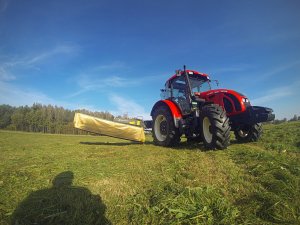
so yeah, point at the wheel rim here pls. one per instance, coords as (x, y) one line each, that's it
(160, 128)
(243, 133)
(206, 130)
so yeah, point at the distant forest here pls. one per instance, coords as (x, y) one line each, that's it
(43, 118)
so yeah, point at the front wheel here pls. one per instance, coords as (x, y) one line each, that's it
(164, 131)
(249, 133)
(215, 127)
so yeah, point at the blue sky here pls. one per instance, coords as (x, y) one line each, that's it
(116, 55)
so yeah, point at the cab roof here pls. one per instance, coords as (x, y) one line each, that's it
(192, 72)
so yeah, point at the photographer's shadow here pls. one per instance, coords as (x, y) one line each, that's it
(61, 204)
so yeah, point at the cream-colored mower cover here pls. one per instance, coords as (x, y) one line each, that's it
(108, 128)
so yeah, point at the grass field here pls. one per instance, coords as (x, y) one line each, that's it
(61, 179)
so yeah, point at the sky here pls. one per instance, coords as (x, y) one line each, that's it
(116, 55)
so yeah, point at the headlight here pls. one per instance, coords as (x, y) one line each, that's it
(246, 100)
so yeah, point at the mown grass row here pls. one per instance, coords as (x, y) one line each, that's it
(120, 182)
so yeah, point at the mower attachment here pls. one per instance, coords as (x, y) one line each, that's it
(109, 128)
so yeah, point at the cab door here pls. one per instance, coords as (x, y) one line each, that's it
(180, 94)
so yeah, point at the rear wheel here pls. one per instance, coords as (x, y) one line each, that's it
(215, 127)
(249, 133)
(164, 131)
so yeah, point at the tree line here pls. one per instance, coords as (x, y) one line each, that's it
(294, 118)
(43, 118)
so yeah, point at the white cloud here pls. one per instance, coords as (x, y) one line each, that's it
(231, 69)
(125, 105)
(113, 75)
(88, 83)
(116, 81)
(276, 94)
(58, 50)
(37, 57)
(286, 70)
(5, 75)
(12, 63)
(266, 37)
(279, 69)
(17, 96)
(103, 75)
(12, 95)
(113, 66)
(270, 97)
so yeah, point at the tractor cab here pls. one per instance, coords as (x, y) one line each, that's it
(197, 80)
(181, 89)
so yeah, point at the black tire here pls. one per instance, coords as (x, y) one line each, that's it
(250, 133)
(215, 128)
(164, 131)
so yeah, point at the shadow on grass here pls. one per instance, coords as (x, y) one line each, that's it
(61, 204)
(115, 143)
(198, 145)
(182, 145)
(192, 145)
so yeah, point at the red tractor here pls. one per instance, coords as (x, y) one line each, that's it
(189, 107)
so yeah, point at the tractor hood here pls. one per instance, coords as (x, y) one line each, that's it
(218, 91)
(233, 102)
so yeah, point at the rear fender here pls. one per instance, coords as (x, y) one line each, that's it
(174, 110)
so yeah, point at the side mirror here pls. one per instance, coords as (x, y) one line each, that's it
(217, 82)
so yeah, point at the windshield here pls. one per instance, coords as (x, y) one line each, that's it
(199, 84)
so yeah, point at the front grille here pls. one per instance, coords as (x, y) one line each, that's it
(236, 103)
(227, 105)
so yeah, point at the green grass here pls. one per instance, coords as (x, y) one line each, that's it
(120, 182)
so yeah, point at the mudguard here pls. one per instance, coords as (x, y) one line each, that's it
(174, 109)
